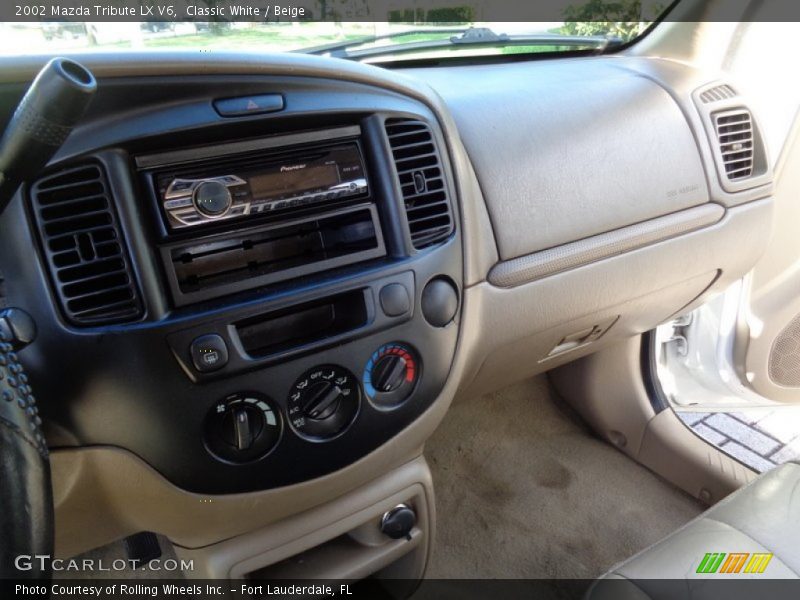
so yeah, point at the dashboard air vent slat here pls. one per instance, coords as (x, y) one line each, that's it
(419, 171)
(717, 93)
(83, 245)
(734, 129)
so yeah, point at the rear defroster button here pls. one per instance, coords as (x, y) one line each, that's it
(209, 353)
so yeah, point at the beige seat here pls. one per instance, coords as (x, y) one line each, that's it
(762, 518)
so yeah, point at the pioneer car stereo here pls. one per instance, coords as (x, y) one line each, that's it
(230, 187)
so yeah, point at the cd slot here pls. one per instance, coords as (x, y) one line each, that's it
(255, 257)
(298, 326)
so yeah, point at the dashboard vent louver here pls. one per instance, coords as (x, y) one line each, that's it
(717, 93)
(734, 129)
(422, 182)
(83, 245)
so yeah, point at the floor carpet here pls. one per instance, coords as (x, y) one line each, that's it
(524, 490)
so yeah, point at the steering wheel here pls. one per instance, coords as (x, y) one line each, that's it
(48, 111)
(26, 520)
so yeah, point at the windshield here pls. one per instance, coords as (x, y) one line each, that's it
(407, 33)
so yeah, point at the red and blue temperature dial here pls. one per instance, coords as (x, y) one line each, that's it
(390, 375)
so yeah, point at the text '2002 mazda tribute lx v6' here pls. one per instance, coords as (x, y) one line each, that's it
(435, 306)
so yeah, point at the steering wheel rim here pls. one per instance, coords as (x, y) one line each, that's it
(26, 521)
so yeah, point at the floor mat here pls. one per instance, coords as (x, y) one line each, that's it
(111, 562)
(524, 490)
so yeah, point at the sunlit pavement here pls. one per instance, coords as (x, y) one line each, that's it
(762, 438)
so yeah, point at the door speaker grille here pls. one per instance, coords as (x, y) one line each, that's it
(784, 358)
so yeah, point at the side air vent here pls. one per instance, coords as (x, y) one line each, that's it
(717, 93)
(734, 129)
(83, 245)
(419, 170)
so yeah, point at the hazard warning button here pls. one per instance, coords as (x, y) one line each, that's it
(249, 105)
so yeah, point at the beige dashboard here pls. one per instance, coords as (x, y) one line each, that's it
(591, 211)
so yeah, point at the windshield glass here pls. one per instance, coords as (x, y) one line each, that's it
(451, 30)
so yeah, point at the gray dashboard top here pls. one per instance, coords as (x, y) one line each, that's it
(572, 148)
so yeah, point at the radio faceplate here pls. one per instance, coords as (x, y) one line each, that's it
(260, 183)
(276, 175)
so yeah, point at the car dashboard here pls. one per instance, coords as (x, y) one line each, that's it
(262, 279)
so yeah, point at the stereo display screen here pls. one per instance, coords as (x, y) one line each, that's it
(294, 178)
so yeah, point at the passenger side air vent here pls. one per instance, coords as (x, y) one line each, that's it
(83, 245)
(717, 93)
(419, 170)
(734, 129)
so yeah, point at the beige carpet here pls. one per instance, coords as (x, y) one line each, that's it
(524, 490)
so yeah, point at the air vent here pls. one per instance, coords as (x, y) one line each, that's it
(82, 242)
(717, 93)
(734, 129)
(419, 170)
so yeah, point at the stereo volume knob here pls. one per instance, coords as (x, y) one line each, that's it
(212, 198)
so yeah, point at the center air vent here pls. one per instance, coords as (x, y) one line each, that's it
(419, 170)
(83, 245)
(734, 130)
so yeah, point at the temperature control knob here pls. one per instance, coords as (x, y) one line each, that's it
(323, 402)
(242, 427)
(390, 375)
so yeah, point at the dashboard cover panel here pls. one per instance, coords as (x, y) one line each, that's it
(568, 149)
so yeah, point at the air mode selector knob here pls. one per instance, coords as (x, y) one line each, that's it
(323, 402)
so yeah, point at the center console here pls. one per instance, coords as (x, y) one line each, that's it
(258, 301)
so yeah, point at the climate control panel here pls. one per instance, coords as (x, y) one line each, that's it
(322, 404)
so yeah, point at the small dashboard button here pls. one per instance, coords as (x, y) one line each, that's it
(178, 203)
(249, 105)
(395, 300)
(209, 353)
